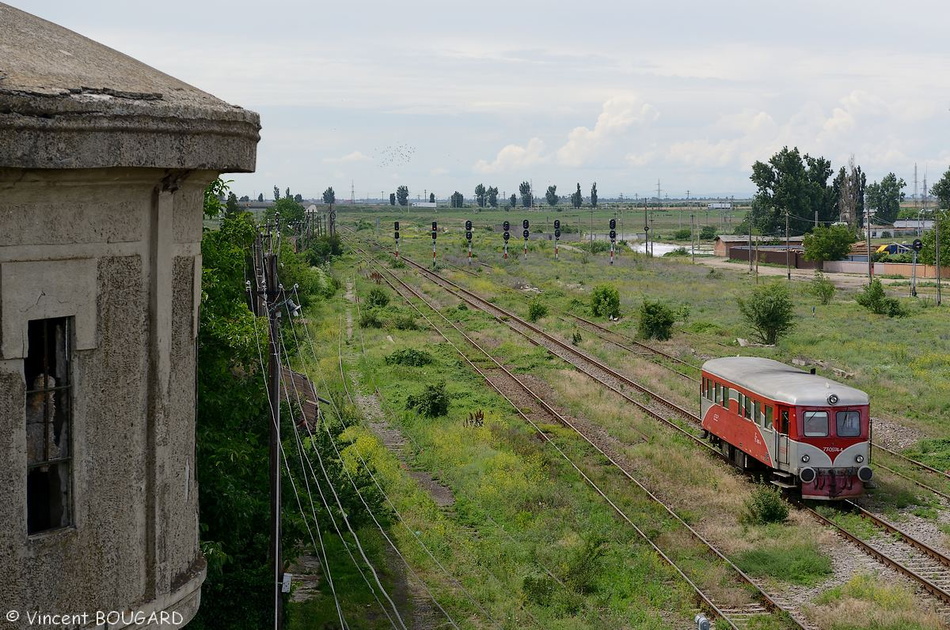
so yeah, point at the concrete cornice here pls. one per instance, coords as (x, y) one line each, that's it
(69, 102)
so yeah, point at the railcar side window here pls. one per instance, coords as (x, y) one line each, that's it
(815, 423)
(756, 412)
(718, 393)
(748, 407)
(768, 417)
(725, 396)
(848, 423)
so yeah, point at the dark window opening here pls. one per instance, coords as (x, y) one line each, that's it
(48, 424)
(848, 423)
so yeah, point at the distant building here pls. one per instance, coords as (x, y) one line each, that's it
(103, 165)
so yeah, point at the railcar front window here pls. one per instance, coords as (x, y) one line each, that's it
(848, 423)
(815, 423)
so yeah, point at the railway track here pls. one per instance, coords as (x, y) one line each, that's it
(922, 568)
(505, 382)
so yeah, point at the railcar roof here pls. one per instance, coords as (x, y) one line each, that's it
(783, 383)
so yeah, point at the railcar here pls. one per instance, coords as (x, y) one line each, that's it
(805, 431)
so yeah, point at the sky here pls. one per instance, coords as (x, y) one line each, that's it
(440, 96)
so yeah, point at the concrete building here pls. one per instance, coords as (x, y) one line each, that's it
(103, 163)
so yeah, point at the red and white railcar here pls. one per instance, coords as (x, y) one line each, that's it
(810, 431)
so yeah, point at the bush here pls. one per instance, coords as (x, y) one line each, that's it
(822, 288)
(369, 318)
(679, 251)
(769, 311)
(432, 402)
(707, 233)
(765, 506)
(409, 356)
(377, 298)
(405, 321)
(682, 235)
(605, 301)
(656, 321)
(538, 588)
(873, 299)
(536, 311)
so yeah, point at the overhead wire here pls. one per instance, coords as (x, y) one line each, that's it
(322, 549)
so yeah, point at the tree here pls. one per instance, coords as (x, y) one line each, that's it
(656, 320)
(829, 243)
(593, 195)
(769, 310)
(431, 197)
(329, 197)
(260, 197)
(392, 199)
(577, 198)
(848, 190)
(276, 193)
(527, 199)
(231, 207)
(289, 210)
(551, 196)
(298, 198)
(214, 198)
(493, 196)
(512, 200)
(874, 299)
(244, 198)
(940, 190)
(288, 195)
(480, 195)
(457, 199)
(794, 185)
(605, 301)
(402, 195)
(885, 198)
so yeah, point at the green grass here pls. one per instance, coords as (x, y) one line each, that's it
(802, 564)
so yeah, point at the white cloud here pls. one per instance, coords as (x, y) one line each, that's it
(514, 157)
(618, 115)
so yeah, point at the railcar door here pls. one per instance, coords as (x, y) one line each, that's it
(781, 436)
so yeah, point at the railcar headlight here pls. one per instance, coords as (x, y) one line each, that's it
(806, 458)
(833, 399)
(807, 475)
(865, 474)
(859, 458)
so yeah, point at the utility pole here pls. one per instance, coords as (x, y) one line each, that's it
(788, 250)
(937, 252)
(272, 292)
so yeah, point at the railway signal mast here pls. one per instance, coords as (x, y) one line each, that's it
(524, 233)
(468, 237)
(613, 238)
(396, 234)
(557, 236)
(435, 231)
(506, 235)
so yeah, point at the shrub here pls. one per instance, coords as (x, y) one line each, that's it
(405, 321)
(536, 311)
(707, 233)
(377, 298)
(765, 506)
(369, 318)
(432, 402)
(679, 251)
(769, 311)
(409, 356)
(822, 288)
(873, 299)
(538, 588)
(656, 321)
(682, 234)
(605, 301)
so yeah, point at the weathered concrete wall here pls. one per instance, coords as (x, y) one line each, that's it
(133, 540)
(103, 164)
